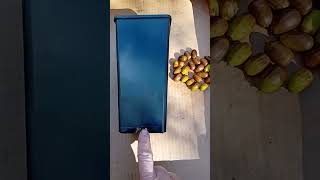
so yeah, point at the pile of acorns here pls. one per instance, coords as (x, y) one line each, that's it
(294, 26)
(192, 70)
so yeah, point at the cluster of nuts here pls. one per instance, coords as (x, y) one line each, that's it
(294, 26)
(192, 70)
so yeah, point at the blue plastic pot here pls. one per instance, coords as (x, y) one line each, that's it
(142, 55)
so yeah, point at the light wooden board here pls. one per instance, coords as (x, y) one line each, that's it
(187, 137)
(254, 135)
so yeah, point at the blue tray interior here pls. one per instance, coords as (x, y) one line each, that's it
(142, 55)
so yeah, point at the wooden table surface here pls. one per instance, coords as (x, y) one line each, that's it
(187, 137)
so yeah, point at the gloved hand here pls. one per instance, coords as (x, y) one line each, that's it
(145, 159)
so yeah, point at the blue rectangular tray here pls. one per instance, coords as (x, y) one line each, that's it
(142, 54)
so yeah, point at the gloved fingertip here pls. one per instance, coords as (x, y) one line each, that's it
(144, 136)
(145, 157)
(144, 132)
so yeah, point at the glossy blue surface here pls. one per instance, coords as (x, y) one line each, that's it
(142, 54)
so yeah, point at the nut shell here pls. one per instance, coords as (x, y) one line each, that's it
(175, 64)
(183, 58)
(203, 74)
(204, 86)
(190, 82)
(229, 9)
(300, 80)
(262, 12)
(197, 78)
(184, 79)
(219, 48)
(239, 54)
(218, 27)
(288, 20)
(256, 64)
(177, 71)
(192, 66)
(274, 80)
(279, 4)
(279, 53)
(303, 6)
(241, 27)
(204, 62)
(312, 59)
(177, 77)
(311, 22)
(199, 68)
(297, 41)
(187, 54)
(207, 80)
(195, 87)
(194, 53)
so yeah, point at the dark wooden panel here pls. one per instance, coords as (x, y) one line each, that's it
(12, 114)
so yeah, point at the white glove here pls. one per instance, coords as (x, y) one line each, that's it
(145, 158)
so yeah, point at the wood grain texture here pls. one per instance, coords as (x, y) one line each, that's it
(13, 158)
(310, 103)
(254, 135)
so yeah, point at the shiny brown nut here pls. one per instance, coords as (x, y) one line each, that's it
(273, 80)
(256, 64)
(239, 54)
(207, 68)
(287, 20)
(218, 26)
(278, 4)
(203, 87)
(192, 66)
(190, 82)
(229, 9)
(184, 78)
(279, 53)
(213, 8)
(196, 61)
(177, 71)
(199, 68)
(194, 53)
(207, 80)
(297, 41)
(262, 12)
(185, 70)
(311, 22)
(195, 87)
(219, 48)
(183, 58)
(241, 27)
(204, 61)
(176, 64)
(177, 77)
(203, 74)
(300, 80)
(188, 54)
(312, 58)
(181, 64)
(303, 6)
(197, 78)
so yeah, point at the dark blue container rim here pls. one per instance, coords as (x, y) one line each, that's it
(142, 17)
